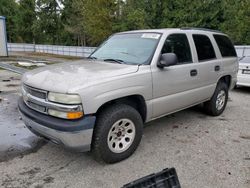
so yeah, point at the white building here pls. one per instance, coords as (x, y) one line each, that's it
(3, 37)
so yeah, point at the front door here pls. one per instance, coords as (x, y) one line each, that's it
(176, 87)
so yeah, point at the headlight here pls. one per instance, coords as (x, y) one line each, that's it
(65, 115)
(64, 98)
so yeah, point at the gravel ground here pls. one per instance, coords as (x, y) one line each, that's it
(206, 152)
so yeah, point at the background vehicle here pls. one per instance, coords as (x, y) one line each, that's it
(101, 104)
(243, 78)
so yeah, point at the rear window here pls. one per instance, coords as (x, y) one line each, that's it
(204, 47)
(225, 45)
(245, 60)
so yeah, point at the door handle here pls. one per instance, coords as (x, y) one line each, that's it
(193, 72)
(217, 68)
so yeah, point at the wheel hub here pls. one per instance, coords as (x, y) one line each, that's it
(121, 135)
(221, 99)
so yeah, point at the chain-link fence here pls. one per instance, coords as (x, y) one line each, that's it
(81, 51)
(51, 49)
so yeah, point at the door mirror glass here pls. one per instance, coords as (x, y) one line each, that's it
(167, 59)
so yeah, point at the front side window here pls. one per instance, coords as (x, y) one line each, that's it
(225, 45)
(128, 48)
(204, 47)
(178, 44)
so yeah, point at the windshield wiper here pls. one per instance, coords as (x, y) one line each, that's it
(115, 60)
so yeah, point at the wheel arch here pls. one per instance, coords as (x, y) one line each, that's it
(227, 79)
(136, 101)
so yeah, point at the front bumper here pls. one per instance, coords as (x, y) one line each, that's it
(73, 134)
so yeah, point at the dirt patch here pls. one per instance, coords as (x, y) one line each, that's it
(31, 173)
(223, 119)
(14, 78)
(48, 179)
(53, 55)
(13, 85)
(245, 137)
(26, 67)
(10, 181)
(236, 141)
(17, 152)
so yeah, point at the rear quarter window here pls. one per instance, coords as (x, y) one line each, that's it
(225, 45)
(204, 47)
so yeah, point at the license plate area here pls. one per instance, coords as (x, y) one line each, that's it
(244, 71)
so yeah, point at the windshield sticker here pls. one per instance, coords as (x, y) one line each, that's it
(150, 36)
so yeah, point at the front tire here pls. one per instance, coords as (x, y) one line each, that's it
(117, 133)
(218, 102)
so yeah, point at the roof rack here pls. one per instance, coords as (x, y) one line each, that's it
(201, 29)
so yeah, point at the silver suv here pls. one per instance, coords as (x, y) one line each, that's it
(101, 103)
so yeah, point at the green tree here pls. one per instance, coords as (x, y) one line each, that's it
(237, 20)
(192, 13)
(48, 25)
(133, 16)
(73, 23)
(89, 22)
(97, 18)
(26, 20)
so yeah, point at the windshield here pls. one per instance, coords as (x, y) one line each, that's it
(130, 48)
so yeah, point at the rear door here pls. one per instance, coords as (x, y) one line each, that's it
(208, 62)
(228, 56)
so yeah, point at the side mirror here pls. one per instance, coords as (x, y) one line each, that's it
(167, 59)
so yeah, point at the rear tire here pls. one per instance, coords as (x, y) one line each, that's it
(218, 102)
(117, 134)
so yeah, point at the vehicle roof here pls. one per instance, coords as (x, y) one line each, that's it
(186, 29)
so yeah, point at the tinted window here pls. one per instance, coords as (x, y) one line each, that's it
(178, 44)
(204, 47)
(225, 45)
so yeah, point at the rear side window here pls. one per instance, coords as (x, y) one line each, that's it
(225, 45)
(204, 47)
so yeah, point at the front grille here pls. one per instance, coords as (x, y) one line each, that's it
(28, 97)
(36, 107)
(35, 92)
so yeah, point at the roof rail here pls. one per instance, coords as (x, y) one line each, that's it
(201, 29)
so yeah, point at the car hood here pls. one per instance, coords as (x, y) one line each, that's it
(68, 77)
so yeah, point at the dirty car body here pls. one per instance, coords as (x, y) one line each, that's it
(63, 102)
